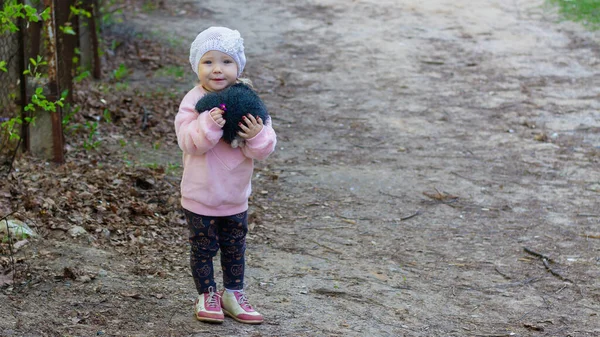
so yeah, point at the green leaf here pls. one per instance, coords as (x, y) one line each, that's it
(67, 30)
(45, 14)
(81, 76)
(31, 13)
(3, 66)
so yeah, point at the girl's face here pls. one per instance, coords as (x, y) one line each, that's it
(217, 71)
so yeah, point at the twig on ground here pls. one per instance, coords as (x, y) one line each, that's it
(327, 247)
(330, 227)
(517, 284)
(433, 62)
(411, 216)
(555, 273)
(324, 149)
(501, 273)
(444, 198)
(541, 256)
(329, 292)
(391, 195)
(465, 178)
(352, 220)
(559, 290)
(589, 215)
(546, 261)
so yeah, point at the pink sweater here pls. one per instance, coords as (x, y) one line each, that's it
(216, 177)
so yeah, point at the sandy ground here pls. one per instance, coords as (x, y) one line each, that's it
(423, 145)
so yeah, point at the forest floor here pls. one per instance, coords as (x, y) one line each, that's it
(437, 173)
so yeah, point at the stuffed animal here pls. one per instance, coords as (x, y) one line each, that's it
(237, 101)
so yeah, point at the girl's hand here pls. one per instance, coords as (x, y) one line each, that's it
(250, 126)
(217, 116)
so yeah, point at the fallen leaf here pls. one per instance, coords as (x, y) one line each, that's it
(137, 296)
(6, 279)
(68, 274)
(379, 275)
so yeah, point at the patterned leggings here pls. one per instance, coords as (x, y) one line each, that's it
(207, 235)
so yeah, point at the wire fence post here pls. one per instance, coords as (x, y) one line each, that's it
(46, 134)
(44, 138)
(97, 73)
(23, 83)
(65, 46)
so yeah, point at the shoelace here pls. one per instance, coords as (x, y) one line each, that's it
(243, 300)
(213, 297)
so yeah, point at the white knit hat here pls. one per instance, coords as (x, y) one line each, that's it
(220, 39)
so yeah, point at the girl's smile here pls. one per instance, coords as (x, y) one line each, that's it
(216, 71)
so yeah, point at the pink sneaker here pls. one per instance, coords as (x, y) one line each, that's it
(208, 307)
(235, 305)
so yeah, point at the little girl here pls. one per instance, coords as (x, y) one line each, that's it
(216, 180)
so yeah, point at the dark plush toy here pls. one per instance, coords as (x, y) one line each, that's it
(237, 101)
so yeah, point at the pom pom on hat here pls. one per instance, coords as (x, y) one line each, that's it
(220, 39)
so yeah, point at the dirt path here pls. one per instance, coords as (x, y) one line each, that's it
(422, 145)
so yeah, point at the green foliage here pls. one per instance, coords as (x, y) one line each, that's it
(83, 75)
(13, 10)
(149, 6)
(11, 128)
(176, 72)
(75, 11)
(80, 11)
(89, 128)
(40, 100)
(38, 62)
(107, 116)
(584, 11)
(121, 86)
(90, 143)
(110, 12)
(68, 114)
(121, 72)
(172, 167)
(67, 30)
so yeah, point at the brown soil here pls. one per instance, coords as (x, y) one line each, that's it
(437, 174)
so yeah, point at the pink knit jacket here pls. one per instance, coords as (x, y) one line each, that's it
(216, 177)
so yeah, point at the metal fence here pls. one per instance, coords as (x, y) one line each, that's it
(49, 40)
(9, 81)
